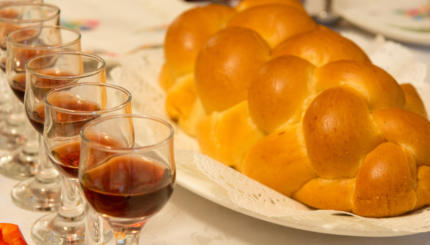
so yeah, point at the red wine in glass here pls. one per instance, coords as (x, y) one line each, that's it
(19, 79)
(18, 86)
(65, 157)
(9, 13)
(37, 118)
(41, 87)
(5, 28)
(127, 186)
(69, 122)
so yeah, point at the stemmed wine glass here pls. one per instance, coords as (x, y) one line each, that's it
(41, 192)
(4, 90)
(67, 109)
(16, 15)
(23, 14)
(131, 180)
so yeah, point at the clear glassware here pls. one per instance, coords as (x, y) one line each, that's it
(129, 180)
(16, 15)
(6, 2)
(5, 106)
(29, 42)
(67, 109)
(41, 192)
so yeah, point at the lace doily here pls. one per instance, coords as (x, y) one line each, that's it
(139, 73)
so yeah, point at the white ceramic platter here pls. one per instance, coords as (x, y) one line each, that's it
(203, 186)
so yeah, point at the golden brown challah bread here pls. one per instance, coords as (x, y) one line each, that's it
(274, 22)
(321, 46)
(184, 38)
(278, 93)
(298, 108)
(246, 4)
(189, 32)
(413, 101)
(225, 67)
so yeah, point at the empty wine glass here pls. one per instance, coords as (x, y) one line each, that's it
(16, 15)
(67, 109)
(129, 181)
(42, 192)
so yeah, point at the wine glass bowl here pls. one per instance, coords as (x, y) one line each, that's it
(129, 182)
(50, 71)
(10, 13)
(68, 109)
(22, 14)
(26, 43)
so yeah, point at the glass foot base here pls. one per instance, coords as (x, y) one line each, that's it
(55, 229)
(32, 194)
(19, 169)
(10, 146)
(11, 140)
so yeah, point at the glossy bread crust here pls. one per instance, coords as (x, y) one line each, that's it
(297, 107)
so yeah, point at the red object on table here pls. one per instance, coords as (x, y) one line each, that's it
(11, 235)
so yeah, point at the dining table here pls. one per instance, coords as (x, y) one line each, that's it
(112, 29)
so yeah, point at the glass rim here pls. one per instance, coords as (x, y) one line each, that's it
(88, 113)
(69, 77)
(62, 28)
(127, 149)
(13, 20)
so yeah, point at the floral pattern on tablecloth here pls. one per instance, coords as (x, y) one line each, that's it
(81, 24)
(417, 13)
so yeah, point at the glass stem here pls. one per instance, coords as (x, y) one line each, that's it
(72, 206)
(16, 117)
(94, 227)
(45, 173)
(5, 100)
(29, 154)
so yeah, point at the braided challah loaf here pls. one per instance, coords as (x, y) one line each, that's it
(297, 107)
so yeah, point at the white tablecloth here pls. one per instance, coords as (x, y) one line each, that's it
(187, 218)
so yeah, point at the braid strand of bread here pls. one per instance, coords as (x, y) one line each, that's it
(297, 107)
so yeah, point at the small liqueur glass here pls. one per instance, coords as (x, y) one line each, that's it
(131, 180)
(4, 90)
